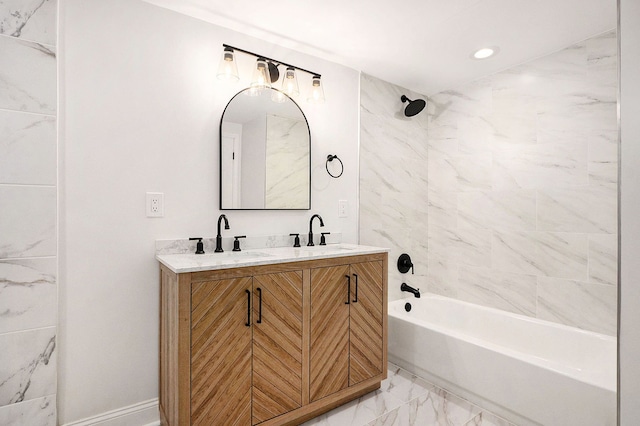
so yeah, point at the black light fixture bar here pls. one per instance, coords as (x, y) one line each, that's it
(272, 60)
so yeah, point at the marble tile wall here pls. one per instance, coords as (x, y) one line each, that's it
(523, 188)
(393, 179)
(505, 193)
(28, 208)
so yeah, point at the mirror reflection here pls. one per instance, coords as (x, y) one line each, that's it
(265, 160)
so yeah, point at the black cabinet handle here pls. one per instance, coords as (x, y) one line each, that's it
(259, 305)
(356, 299)
(248, 324)
(348, 290)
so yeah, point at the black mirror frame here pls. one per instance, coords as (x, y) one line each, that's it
(220, 152)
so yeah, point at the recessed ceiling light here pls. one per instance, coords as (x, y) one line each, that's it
(484, 53)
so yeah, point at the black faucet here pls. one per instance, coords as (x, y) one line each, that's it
(310, 243)
(219, 236)
(415, 291)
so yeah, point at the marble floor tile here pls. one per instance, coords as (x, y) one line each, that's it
(404, 385)
(405, 399)
(360, 411)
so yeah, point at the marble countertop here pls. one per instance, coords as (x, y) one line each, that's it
(181, 263)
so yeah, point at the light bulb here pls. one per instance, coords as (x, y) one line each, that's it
(290, 82)
(317, 93)
(261, 78)
(228, 69)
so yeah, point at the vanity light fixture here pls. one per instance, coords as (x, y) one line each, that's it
(266, 73)
(228, 69)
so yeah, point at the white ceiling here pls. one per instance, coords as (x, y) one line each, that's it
(422, 45)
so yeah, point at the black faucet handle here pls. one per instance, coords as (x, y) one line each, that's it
(199, 245)
(236, 242)
(296, 241)
(405, 263)
(323, 242)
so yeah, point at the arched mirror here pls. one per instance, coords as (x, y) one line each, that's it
(265, 153)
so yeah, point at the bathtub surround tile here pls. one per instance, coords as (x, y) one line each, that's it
(28, 294)
(466, 246)
(393, 177)
(521, 178)
(28, 228)
(562, 255)
(33, 20)
(27, 365)
(28, 79)
(578, 304)
(39, 411)
(603, 259)
(473, 172)
(27, 148)
(502, 290)
(442, 208)
(442, 278)
(515, 252)
(547, 135)
(603, 157)
(578, 209)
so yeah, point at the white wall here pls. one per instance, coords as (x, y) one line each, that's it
(140, 110)
(629, 328)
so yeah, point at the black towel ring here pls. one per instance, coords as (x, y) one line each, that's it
(326, 165)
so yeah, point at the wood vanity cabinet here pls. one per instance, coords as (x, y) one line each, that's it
(271, 344)
(346, 326)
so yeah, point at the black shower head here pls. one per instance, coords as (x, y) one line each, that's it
(414, 107)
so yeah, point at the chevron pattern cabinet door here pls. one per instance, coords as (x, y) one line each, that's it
(220, 353)
(329, 346)
(277, 345)
(366, 322)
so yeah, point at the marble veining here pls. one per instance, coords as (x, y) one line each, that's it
(29, 19)
(27, 365)
(28, 228)
(28, 222)
(39, 411)
(28, 81)
(27, 148)
(405, 399)
(287, 161)
(28, 294)
(527, 160)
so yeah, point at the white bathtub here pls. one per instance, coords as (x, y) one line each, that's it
(527, 370)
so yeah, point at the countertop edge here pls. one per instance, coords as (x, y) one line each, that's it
(287, 255)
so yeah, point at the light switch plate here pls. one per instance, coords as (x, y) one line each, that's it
(343, 208)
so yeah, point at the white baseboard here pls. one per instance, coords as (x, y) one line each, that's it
(141, 414)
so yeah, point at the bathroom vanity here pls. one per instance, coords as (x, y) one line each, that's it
(273, 336)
